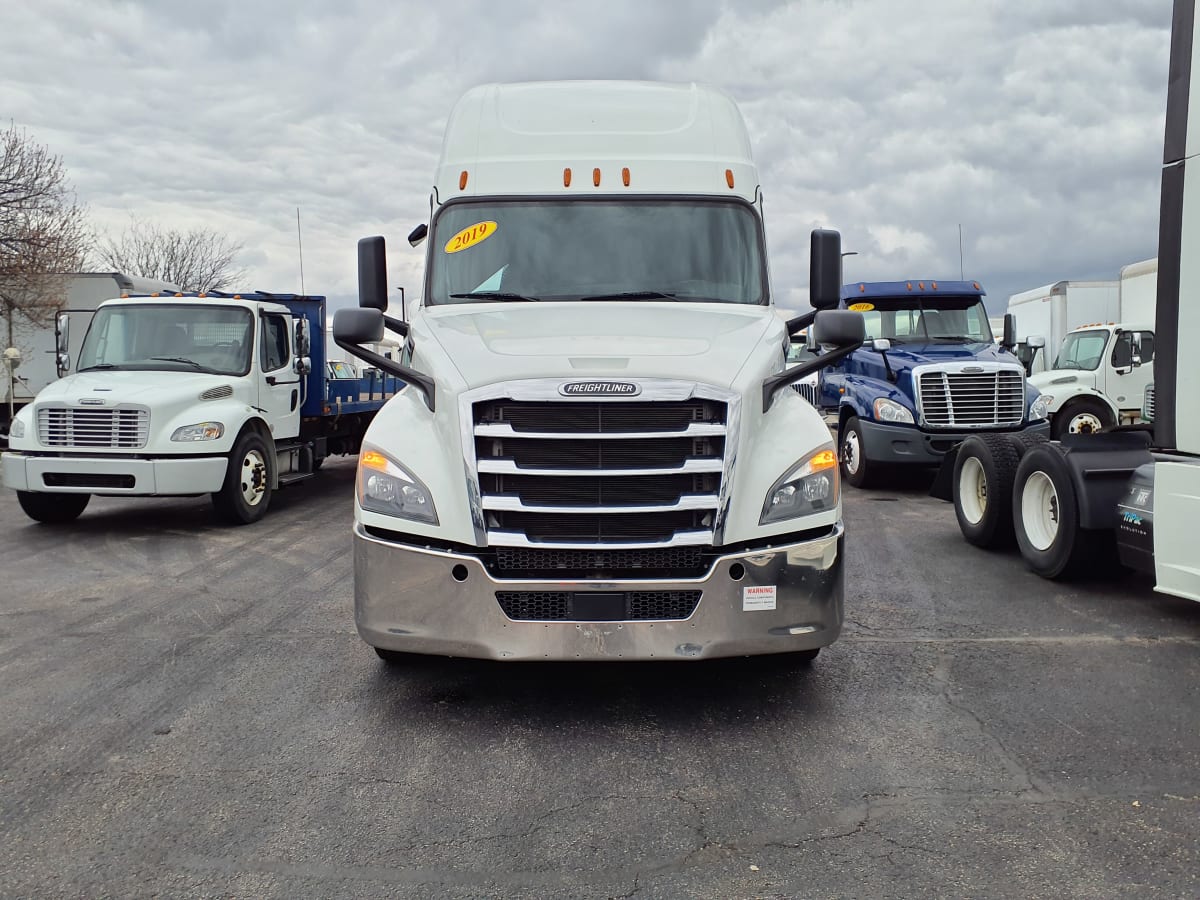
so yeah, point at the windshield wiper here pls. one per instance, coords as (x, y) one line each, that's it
(632, 295)
(98, 366)
(494, 295)
(180, 359)
(955, 339)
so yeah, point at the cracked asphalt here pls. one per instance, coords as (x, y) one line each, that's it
(186, 709)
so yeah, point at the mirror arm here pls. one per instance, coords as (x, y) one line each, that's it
(789, 376)
(794, 325)
(397, 325)
(423, 383)
(887, 367)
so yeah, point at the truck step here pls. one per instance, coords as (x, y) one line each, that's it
(293, 477)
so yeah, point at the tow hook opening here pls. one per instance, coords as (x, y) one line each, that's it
(459, 573)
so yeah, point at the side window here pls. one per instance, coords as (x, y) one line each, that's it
(1122, 353)
(276, 350)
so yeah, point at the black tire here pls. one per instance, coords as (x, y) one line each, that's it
(806, 657)
(983, 481)
(1045, 515)
(856, 468)
(1024, 441)
(392, 658)
(1082, 416)
(246, 493)
(53, 509)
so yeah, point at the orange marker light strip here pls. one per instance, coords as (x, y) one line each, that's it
(596, 177)
(729, 178)
(625, 177)
(370, 459)
(826, 459)
(462, 180)
(566, 177)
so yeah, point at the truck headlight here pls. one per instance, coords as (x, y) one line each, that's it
(201, 431)
(890, 411)
(1041, 406)
(810, 486)
(16, 428)
(385, 486)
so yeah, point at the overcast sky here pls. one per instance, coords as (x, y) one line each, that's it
(1036, 125)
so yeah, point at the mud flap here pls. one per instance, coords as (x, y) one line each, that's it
(943, 483)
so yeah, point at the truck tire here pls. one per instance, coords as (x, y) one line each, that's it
(983, 480)
(53, 509)
(1024, 441)
(856, 468)
(246, 493)
(1083, 416)
(1045, 515)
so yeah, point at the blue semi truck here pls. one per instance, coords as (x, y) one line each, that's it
(929, 375)
(178, 394)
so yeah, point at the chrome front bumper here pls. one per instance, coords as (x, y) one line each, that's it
(407, 598)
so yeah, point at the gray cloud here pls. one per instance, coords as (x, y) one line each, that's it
(1038, 127)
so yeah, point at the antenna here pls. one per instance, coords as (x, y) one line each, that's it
(300, 244)
(961, 276)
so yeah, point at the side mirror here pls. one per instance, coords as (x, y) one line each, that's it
(303, 339)
(1010, 331)
(302, 365)
(839, 330)
(372, 273)
(1035, 341)
(358, 326)
(825, 269)
(418, 234)
(62, 324)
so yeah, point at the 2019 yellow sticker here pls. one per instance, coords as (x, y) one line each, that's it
(470, 236)
(861, 307)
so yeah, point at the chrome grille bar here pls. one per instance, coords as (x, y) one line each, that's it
(983, 397)
(125, 428)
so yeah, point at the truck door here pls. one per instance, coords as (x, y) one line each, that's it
(1132, 368)
(279, 390)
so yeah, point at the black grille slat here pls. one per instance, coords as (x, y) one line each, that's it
(678, 562)
(602, 527)
(93, 480)
(599, 418)
(531, 453)
(631, 490)
(557, 606)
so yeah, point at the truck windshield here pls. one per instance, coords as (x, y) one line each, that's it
(169, 337)
(911, 320)
(1082, 350)
(686, 250)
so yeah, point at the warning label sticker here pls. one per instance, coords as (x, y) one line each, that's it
(760, 597)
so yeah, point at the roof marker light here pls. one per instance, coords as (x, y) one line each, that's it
(729, 178)
(920, 285)
(462, 180)
(908, 284)
(933, 284)
(154, 294)
(625, 177)
(237, 296)
(124, 295)
(596, 177)
(566, 177)
(179, 295)
(862, 288)
(977, 287)
(202, 294)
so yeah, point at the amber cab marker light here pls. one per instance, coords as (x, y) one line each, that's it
(625, 177)
(862, 288)
(729, 178)
(976, 283)
(566, 177)
(920, 285)
(933, 284)
(826, 459)
(462, 180)
(908, 284)
(596, 177)
(372, 460)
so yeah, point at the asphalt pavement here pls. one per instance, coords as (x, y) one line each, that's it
(186, 710)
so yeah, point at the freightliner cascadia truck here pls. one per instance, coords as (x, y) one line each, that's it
(178, 394)
(1068, 502)
(930, 375)
(599, 454)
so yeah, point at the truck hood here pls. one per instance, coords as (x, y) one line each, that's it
(1047, 381)
(906, 356)
(708, 342)
(114, 387)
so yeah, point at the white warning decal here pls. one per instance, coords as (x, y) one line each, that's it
(760, 597)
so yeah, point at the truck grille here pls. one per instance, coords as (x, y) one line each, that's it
(626, 606)
(806, 390)
(1148, 404)
(956, 399)
(599, 474)
(64, 426)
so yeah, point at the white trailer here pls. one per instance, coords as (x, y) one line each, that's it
(1053, 310)
(78, 294)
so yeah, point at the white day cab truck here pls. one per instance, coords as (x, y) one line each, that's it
(598, 455)
(29, 349)
(188, 394)
(1102, 335)
(1068, 502)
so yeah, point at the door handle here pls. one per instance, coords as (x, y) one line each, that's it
(272, 381)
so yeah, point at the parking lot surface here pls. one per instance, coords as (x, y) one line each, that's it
(186, 709)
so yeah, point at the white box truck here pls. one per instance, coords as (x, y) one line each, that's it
(1093, 375)
(599, 455)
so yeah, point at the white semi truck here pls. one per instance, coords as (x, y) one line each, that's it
(1068, 502)
(1099, 340)
(599, 455)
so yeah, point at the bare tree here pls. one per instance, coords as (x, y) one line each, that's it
(43, 231)
(197, 260)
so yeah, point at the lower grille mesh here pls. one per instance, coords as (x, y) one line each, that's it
(557, 606)
(676, 562)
